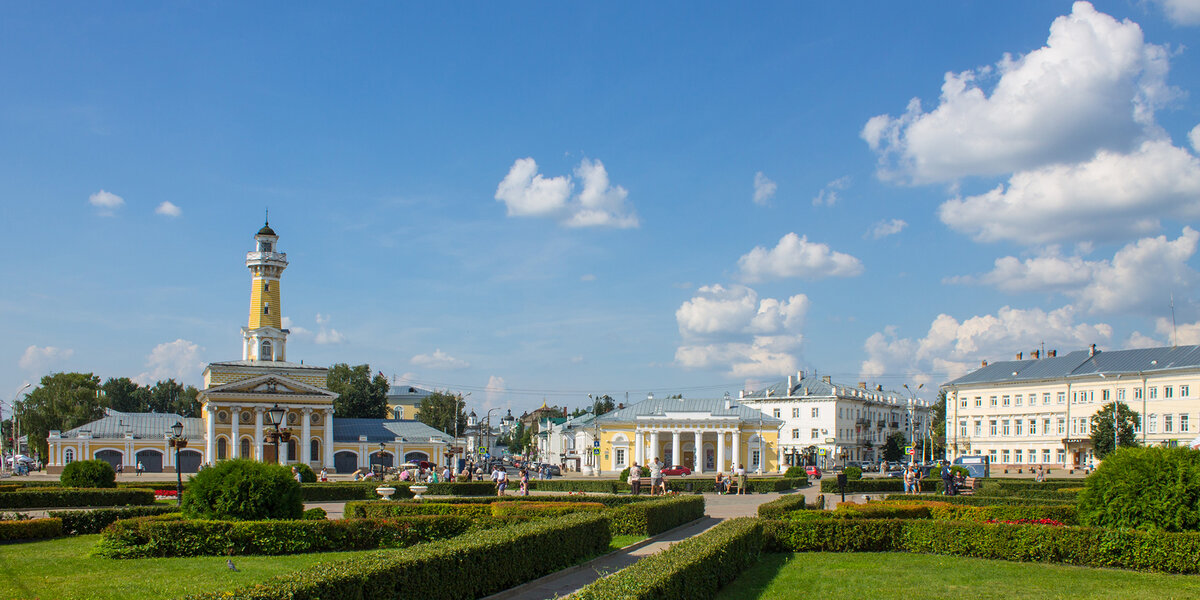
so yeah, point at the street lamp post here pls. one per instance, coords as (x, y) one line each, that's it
(178, 442)
(487, 443)
(274, 418)
(912, 423)
(12, 405)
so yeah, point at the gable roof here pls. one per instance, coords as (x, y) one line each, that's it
(714, 407)
(115, 425)
(271, 384)
(384, 430)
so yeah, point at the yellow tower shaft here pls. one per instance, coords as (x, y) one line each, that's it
(265, 308)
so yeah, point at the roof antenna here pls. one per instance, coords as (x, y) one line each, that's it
(1174, 333)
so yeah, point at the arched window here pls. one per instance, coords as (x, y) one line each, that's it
(68, 456)
(246, 448)
(314, 451)
(222, 448)
(398, 413)
(267, 308)
(291, 450)
(265, 353)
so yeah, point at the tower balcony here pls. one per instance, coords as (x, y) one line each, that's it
(266, 257)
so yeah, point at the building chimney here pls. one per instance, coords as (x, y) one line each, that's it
(826, 379)
(1092, 351)
(1019, 355)
(878, 387)
(741, 394)
(727, 403)
(791, 384)
(862, 384)
(1051, 353)
(564, 412)
(983, 364)
(1035, 355)
(799, 376)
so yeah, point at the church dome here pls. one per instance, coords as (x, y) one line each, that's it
(266, 230)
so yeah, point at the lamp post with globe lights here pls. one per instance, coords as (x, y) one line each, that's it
(178, 442)
(275, 418)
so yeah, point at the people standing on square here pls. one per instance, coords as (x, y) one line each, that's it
(635, 479)
(656, 476)
(741, 479)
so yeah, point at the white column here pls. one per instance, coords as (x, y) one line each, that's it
(328, 445)
(654, 451)
(675, 454)
(258, 434)
(235, 416)
(778, 456)
(210, 437)
(721, 452)
(399, 454)
(737, 450)
(638, 449)
(698, 455)
(305, 434)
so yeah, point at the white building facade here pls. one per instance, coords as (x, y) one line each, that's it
(1038, 411)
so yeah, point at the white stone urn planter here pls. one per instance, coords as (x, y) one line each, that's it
(417, 490)
(385, 491)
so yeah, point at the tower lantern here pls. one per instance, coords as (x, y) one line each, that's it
(264, 337)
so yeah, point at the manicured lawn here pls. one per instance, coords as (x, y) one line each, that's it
(620, 541)
(61, 568)
(898, 575)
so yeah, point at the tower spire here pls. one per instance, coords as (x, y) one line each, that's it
(264, 337)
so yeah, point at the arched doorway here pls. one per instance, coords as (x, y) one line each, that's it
(189, 461)
(112, 457)
(152, 460)
(345, 461)
(382, 459)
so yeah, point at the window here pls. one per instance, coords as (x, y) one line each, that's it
(1020, 399)
(963, 403)
(314, 450)
(1153, 392)
(1137, 427)
(1083, 425)
(1183, 391)
(775, 413)
(265, 353)
(1062, 426)
(1046, 455)
(992, 423)
(267, 308)
(68, 456)
(1183, 423)
(1168, 391)
(1005, 457)
(245, 445)
(815, 433)
(1004, 427)
(1020, 427)
(1074, 426)
(992, 456)
(1062, 456)
(1153, 422)
(1168, 423)
(962, 428)
(1033, 427)
(755, 457)
(1005, 401)
(795, 413)
(1104, 395)
(266, 246)
(1121, 394)
(978, 428)
(1062, 397)
(1046, 428)
(816, 412)
(222, 448)
(620, 456)
(978, 401)
(1046, 398)
(992, 401)
(1137, 393)
(398, 413)
(266, 286)
(840, 413)
(795, 433)
(1017, 455)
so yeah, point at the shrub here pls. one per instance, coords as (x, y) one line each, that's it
(383, 509)
(784, 505)
(306, 473)
(243, 490)
(542, 509)
(888, 484)
(88, 474)
(603, 486)
(656, 516)
(981, 500)
(1147, 488)
(853, 473)
(465, 567)
(795, 472)
(30, 529)
(336, 492)
(81, 522)
(47, 497)
(156, 537)
(694, 568)
(314, 514)
(465, 488)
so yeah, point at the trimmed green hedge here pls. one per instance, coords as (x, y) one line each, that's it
(1027, 484)
(866, 486)
(758, 485)
(74, 497)
(382, 509)
(602, 486)
(543, 509)
(365, 490)
(916, 509)
(157, 537)
(465, 567)
(1083, 546)
(694, 568)
(978, 500)
(777, 508)
(657, 516)
(30, 529)
(81, 522)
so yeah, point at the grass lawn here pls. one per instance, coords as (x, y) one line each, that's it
(620, 541)
(61, 568)
(899, 575)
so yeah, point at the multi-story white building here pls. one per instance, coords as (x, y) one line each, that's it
(1038, 411)
(826, 423)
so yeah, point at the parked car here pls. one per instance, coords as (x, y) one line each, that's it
(553, 470)
(677, 470)
(812, 471)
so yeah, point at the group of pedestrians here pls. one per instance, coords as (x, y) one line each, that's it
(724, 483)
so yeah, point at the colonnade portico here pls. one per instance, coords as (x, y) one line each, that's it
(713, 449)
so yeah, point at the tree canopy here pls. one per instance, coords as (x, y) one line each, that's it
(61, 401)
(123, 394)
(360, 396)
(1102, 428)
(440, 410)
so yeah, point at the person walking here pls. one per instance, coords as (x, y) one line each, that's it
(741, 479)
(524, 482)
(139, 468)
(500, 477)
(656, 476)
(635, 479)
(908, 479)
(947, 480)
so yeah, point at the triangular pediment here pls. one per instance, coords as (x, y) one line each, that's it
(272, 385)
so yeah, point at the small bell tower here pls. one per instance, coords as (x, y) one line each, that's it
(264, 337)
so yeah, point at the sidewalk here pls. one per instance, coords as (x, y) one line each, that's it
(569, 580)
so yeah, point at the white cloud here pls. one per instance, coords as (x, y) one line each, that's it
(1135, 280)
(831, 193)
(526, 193)
(883, 229)
(107, 202)
(1111, 196)
(1182, 12)
(168, 209)
(1194, 138)
(1139, 340)
(764, 189)
(293, 329)
(439, 360)
(731, 328)
(588, 277)
(795, 256)
(952, 348)
(178, 360)
(38, 360)
(494, 392)
(1094, 85)
(327, 335)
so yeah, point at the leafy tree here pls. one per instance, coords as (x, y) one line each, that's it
(61, 401)
(171, 397)
(243, 490)
(1143, 488)
(123, 394)
(937, 424)
(359, 395)
(1102, 428)
(893, 450)
(440, 410)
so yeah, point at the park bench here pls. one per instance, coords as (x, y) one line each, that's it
(968, 487)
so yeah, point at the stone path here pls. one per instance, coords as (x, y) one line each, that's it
(563, 583)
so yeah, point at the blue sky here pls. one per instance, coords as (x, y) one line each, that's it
(543, 201)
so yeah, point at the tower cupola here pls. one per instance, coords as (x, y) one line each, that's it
(264, 337)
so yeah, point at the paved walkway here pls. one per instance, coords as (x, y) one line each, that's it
(565, 582)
